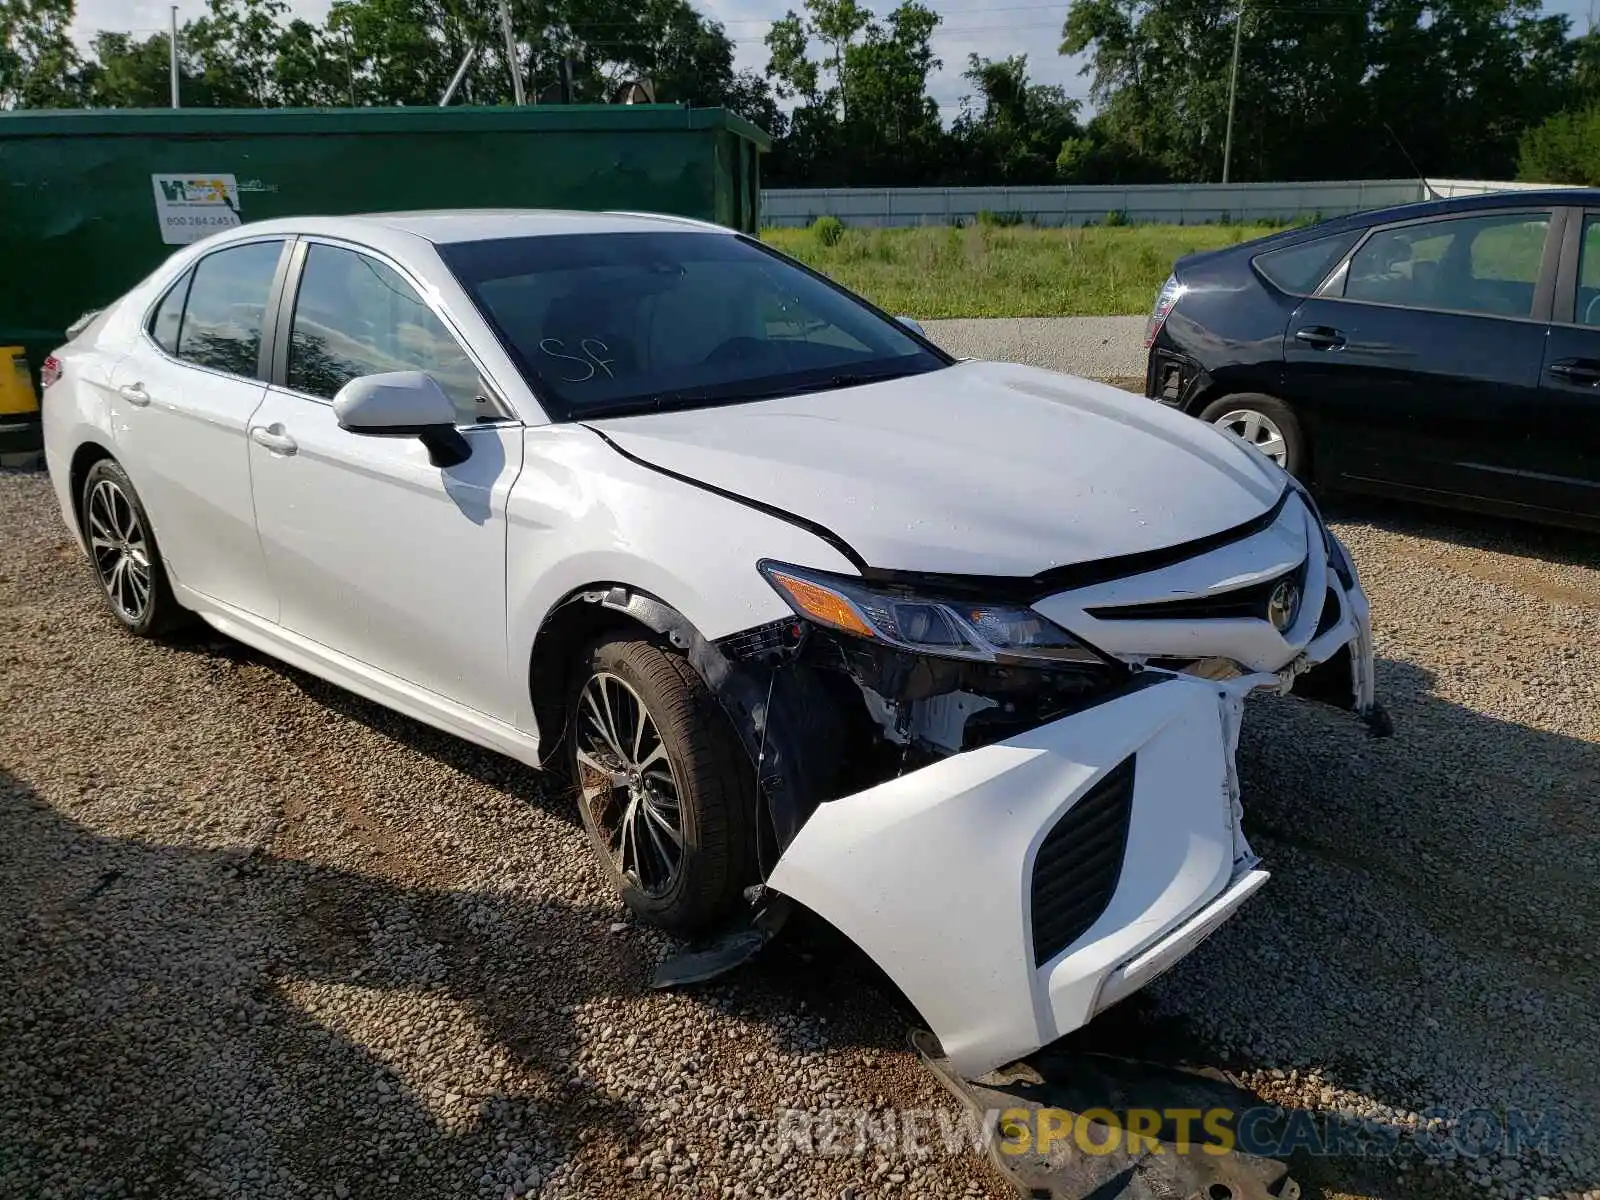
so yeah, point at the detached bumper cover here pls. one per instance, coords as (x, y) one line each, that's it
(932, 874)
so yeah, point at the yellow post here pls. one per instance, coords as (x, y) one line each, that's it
(19, 403)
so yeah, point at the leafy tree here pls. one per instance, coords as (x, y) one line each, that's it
(1459, 80)
(405, 51)
(1015, 131)
(132, 73)
(39, 66)
(129, 72)
(1455, 79)
(1160, 77)
(312, 67)
(236, 48)
(1564, 148)
(865, 114)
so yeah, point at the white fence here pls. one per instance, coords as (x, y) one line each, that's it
(1170, 204)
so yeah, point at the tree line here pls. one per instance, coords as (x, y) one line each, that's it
(1327, 89)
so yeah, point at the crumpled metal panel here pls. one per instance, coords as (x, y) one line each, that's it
(1069, 1100)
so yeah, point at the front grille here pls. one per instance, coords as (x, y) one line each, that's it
(1076, 871)
(1248, 601)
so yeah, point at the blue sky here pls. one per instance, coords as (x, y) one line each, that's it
(993, 28)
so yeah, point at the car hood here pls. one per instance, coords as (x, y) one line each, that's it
(980, 468)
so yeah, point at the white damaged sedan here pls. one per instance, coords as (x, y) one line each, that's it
(952, 653)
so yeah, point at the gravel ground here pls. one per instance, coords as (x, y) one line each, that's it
(261, 938)
(1099, 347)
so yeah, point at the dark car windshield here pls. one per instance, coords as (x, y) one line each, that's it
(608, 323)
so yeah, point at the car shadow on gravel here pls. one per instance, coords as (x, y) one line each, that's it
(812, 969)
(180, 1021)
(1426, 942)
(1542, 544)
(1432, 901)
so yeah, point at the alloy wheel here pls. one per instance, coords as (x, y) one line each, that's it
(1259, 430)
(121, 550)
(628, 785)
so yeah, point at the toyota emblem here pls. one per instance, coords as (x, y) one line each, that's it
(1283, 606)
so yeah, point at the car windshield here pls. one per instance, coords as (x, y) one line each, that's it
(605, 324)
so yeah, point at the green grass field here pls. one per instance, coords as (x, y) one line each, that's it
(990, 271)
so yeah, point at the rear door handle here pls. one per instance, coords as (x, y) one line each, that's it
(273, 438)
(134, 394)
(1320, 337)
(1577, 370)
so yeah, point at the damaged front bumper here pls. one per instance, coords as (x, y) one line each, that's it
(1015, 890)
(1021, 845)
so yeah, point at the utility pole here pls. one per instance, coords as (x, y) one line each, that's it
(172, 52)
(1233, 90)
(511, 54)
(349, 67)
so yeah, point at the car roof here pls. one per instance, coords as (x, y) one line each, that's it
(1421, 209)
(1416, 210)
(443, 226)
(1510, 198)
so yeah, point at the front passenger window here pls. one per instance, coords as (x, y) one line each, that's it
(227, 307)
(355, 316)
(1588, 309)
(1487, 264)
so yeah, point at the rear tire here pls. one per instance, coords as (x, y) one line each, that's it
(665, 789)
(123, 553)
(1266, 423)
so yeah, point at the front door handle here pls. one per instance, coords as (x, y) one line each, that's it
(1577, 370)
(1320, 337)
(134, 394)
(273, 438)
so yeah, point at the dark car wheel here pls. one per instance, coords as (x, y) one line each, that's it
(123, 552)
(1266, 422)
(665, 789)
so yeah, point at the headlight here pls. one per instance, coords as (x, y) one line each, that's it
(926, 624)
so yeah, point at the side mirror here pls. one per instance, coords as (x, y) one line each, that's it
(403, 404)
(914, 325)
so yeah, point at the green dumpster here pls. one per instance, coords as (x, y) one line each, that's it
(92, 201)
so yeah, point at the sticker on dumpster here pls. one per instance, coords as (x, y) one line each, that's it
(191, 206)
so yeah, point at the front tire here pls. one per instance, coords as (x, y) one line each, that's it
(1267, 423)
(665, 790)
(123, 553)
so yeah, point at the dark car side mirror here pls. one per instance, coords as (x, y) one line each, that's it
(403, 404)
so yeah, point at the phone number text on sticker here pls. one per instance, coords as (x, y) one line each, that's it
(188, 207)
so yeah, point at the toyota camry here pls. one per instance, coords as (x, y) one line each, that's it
(802, 609)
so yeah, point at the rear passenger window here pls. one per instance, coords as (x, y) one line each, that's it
(165, 320)
(1487, 264)
(1298, 269)
(355, 316)
(227, 307)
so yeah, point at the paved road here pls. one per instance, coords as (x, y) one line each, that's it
(1099, 347)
